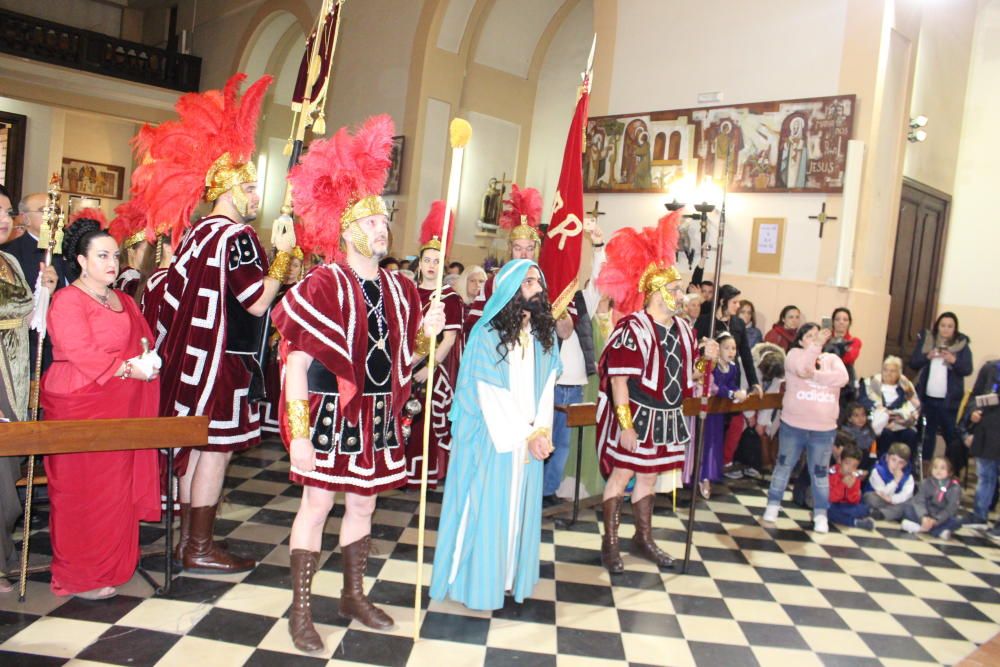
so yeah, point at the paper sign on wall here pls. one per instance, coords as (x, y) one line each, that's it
(767, 239)
(766, 245)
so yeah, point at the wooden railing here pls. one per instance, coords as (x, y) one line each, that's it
(88, 51)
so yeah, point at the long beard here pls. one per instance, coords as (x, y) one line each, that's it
(536, 305)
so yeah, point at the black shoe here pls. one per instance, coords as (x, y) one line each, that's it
(550, 501)
(876, 514)
(970, 520)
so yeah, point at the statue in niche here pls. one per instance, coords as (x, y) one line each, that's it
(492, 207)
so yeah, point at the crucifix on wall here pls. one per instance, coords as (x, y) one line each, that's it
(823, 218)
(392, 210)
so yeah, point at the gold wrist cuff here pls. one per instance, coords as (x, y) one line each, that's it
(624, 413)
(279, 267)
(297, 416)
(422, 346)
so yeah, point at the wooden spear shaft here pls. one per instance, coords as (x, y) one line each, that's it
(460, 134)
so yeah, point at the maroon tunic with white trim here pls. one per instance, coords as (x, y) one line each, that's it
(659, 364)
(354, 426)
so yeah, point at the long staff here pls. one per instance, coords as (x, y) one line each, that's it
(52, 224)
(699, 445)
(460, 132)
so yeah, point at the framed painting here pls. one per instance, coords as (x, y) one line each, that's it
(393, 182)
(785, 146)
(92, 179)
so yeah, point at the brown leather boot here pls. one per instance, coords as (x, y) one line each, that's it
(300, 623)
(201, 555)
(353, 601)
(642, 542)
(611, 557)
(185, 531)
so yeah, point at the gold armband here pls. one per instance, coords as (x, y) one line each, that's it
(422, 346)
(279, 267)
(624, 413)
(297, 416)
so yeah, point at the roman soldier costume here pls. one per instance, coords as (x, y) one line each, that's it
(521, 217)
(658, 361)
(445, 372)
(207, 338)
(363, 336)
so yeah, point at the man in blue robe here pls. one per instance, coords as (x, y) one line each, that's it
(490, 526)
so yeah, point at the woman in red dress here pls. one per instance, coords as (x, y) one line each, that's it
(99, 371)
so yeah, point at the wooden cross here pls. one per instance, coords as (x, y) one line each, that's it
(596, 211)
(823, 218)
(392, 210)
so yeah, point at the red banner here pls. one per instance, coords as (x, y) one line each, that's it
(563, 243)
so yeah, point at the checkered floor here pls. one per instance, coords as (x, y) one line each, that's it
(755, 595)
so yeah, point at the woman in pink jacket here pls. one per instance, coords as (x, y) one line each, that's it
(809, 414)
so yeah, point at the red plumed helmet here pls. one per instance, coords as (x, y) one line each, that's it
(432, 229)
(95, 214)
(129, 225)
(639, 262)
(522, 214)
(339, 181)
(207, 151)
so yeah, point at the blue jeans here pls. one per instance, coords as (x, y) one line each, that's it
(986, 470)
(846, 514)
(818, 446)
(555, 465)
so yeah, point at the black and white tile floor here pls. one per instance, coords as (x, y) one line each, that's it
(755, 595)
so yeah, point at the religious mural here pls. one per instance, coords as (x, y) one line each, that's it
(786, 146)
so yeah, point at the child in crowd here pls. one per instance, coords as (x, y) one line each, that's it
(857, 425)
(934, 507)
(725, 383)
(846, 479)
(890, 484)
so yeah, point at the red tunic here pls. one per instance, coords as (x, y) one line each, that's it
(220, 264)
(128, 281)
(97, 498)
(633, 350)
(444, 376)
(152, 298)
(357, 434)
(476, 307)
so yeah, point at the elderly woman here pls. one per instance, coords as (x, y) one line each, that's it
(892, 405)
(468, 286)
(692, 306)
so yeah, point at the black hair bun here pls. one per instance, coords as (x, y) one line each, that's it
(73, 234)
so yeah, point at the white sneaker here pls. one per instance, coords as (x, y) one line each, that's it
(910, 526)
(945, 535)
(771, 513)
(820, 524)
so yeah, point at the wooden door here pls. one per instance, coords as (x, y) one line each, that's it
(916, 265)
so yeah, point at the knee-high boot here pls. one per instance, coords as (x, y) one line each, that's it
(642, 541)
(300, 623)
(201, 555)
(611, 557)
(353, 601)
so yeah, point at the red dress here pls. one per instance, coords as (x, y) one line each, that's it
(97, 498)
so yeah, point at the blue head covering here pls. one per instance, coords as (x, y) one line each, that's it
(505, 287)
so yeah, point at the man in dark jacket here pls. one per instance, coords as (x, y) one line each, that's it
(25, 249)
(981, 426)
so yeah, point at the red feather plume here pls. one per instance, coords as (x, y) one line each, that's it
(130, 217)
(336, 173)
(89, 214)
(522, 202)
(178, 154)
(629, 254)
(433, 225)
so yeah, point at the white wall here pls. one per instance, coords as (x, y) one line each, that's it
(493, 153)
(558, 80)
(751, 51)
(103, 140)
(973, 235)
